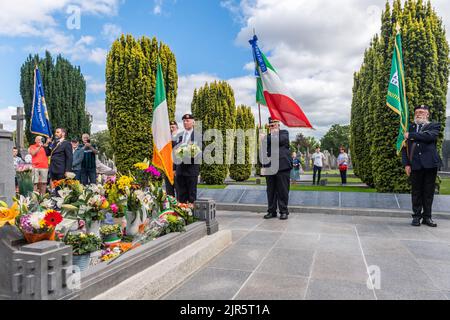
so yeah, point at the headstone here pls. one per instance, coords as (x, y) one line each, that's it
(39, 271)
(7, 173)
(307, 160)
(20, 120)
(327, 162)
(205, 210)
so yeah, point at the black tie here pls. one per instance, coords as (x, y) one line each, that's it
(420, 128)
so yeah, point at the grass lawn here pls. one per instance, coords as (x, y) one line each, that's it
(445, 186)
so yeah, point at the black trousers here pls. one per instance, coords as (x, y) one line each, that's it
(170, 188)
(344, 176)
(318, 173)
(186, 189)
(423, 187)
(278, 187)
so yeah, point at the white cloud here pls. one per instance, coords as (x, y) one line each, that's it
(94, 86)
(5, 118)
(111, 31)
(157, 9)
(97, 110)
(31, 17)
(316, 46)
(98, 55)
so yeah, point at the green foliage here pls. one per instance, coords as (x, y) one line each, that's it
(245, 120)
(338, 136)
(102, 140)
(65, 94)
(374, 127)
(83, 243)
(214, 105)
(303, 144)
(131, 67)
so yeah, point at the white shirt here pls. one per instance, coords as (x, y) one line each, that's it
(187, 136)
(318, 159)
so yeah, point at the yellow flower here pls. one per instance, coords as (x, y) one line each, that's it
(124, 182)
(141, 166)
(8, 215)
(105, 205)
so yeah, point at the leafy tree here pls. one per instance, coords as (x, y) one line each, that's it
(335, 138)
(131, 67)
(245, 120)
(214, 105)
(65, 94)
(102, 140)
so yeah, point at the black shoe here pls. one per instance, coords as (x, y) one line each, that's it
(416, 222)
(284, 217)
(429, 222)
(270, 216)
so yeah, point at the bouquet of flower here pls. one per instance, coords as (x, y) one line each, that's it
(186, 211)
(147, 175)
(91, 205)
(83, 243)
(39, 225)
(187, 151)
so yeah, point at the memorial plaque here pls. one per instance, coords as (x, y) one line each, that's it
(314, 199)
(368, 200)
(254, 197)
(222, 195)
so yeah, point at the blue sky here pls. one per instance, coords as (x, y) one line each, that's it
(316, 46)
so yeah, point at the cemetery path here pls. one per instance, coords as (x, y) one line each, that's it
(324, 257)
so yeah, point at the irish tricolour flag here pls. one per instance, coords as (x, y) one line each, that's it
(272, 93)
(162, 138)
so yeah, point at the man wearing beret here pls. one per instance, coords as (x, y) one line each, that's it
(277, 168)
(187, 172)
(422, 161)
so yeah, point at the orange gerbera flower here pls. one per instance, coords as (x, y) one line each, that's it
(53, 218)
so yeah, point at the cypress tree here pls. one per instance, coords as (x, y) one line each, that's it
(65, 94)
(245, 120)
(374, 127)
(131, 67)
(214, 105)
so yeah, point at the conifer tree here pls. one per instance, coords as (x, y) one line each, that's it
(131, 67)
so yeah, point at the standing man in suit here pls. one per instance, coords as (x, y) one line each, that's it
(188, 171)
(422, 161)
(278, 170)
(170, 188)
(61, 155)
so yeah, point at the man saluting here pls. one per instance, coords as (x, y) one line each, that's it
(277, 167)
(421, 161)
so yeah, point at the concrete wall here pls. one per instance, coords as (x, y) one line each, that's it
(7, 173)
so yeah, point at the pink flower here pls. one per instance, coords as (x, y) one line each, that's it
(81, 224)
(114, 208)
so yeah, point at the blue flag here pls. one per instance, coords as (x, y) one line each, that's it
(40, 123)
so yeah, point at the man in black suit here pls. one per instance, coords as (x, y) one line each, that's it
(61, 155)
(188, 171)
(421, 161)
(277, 167)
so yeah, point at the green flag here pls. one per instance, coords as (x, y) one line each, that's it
(396, 98)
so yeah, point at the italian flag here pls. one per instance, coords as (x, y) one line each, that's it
(272, 93)
(162, 138)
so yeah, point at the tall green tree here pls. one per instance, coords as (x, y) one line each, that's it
(65, 94)
(102, 140)
(374, 127)
(214, 105)
(131, 67)
(338, 136)
(245, 121)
